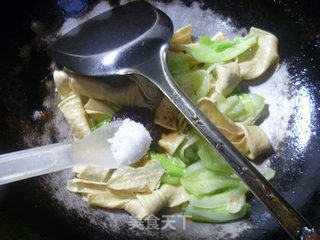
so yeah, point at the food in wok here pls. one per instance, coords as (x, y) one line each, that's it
(180, 168)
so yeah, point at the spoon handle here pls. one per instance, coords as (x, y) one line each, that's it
(296, 225)
(34, 162)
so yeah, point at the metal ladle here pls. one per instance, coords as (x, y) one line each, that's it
(134, 38)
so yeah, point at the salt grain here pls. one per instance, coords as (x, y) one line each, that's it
(130, 142)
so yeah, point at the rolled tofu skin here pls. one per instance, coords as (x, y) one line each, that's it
(76, 116)
(141, 179)
(254, 63)
(171, 141)
(250, 140)
(61, 81)
(168, 116)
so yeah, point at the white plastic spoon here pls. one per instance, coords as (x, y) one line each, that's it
(94, 150)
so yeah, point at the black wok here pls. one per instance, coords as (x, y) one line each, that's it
(41, 208)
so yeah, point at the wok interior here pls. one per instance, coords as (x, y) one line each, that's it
(29, 116)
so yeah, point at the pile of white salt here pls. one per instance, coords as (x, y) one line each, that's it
(116, 144)
(130, 143)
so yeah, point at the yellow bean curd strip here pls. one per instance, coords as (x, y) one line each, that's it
(250, 140)
(76, 116)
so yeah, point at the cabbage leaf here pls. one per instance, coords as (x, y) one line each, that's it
(214, 52)
(196, 84)
(244, 108)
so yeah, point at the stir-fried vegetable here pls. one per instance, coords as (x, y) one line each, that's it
(173, 165)
(178, 66)
(200, 181)
(169, 179)
(220, 199)
(188, 150)
(219, 214)
(196, 84)
(65, 69)
(217, 194)
(210, 159)
(242, 107)
(213, 52)
(100, 124)
(191, 170)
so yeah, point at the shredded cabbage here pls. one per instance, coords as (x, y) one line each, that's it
(200, 181)
(245, 108)
(65, 69)
(234, 200)
(215, 215)
(178, 66)
(169, 179)
(210, 158)
(196, 84)
(187, 150)
(267, 172)
(173, 165)
(213, 52)
(100, 124)
(217, 193)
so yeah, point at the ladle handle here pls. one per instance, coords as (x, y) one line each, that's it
(34, 162)
(296, 225)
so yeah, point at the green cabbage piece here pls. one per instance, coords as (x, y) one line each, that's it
(172, 165)
(200, 181)
(100, 124)
(216, 215)
(214, 52)
(178, 66)
(211, 159)
(169, 179)
(196, 84)
(211, 181)
(187, 151)
(215, 200)
(267, 172)
(210, 190)
(244, 108)
(67, 70)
